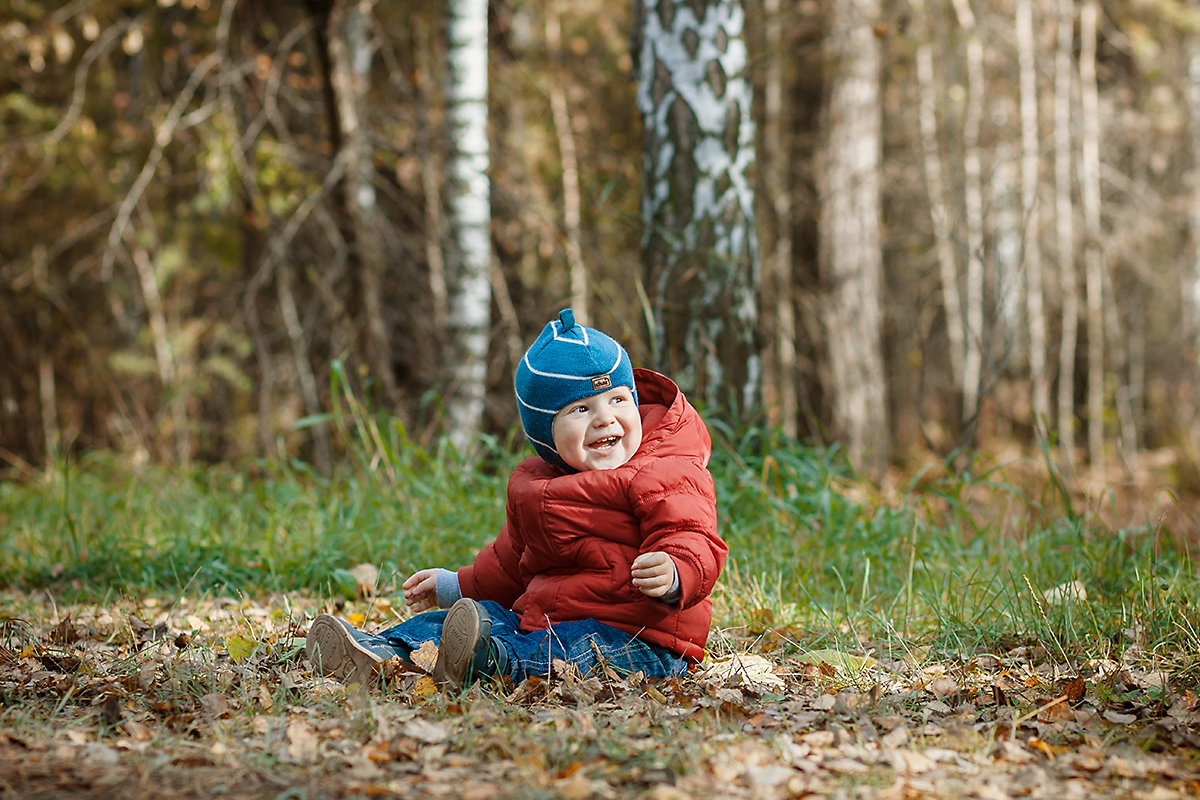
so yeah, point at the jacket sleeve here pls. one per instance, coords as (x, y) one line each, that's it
(677, 509)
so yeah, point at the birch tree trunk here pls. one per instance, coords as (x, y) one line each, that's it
(1030, 169)
(1089, 181)
(974, 336)
(850, 254)
(468, 202)
(1065, 229)
(700, 248)
(1008, 333)
(351, 54)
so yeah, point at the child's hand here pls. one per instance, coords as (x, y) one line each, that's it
(653, 573)
(420, 590)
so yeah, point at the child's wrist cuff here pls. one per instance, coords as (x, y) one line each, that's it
(448, 590)
(673, 594)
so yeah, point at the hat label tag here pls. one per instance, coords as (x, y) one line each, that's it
(601, 382)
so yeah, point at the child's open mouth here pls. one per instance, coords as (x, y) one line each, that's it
(607, 443)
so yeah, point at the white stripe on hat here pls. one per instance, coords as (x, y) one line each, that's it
(535, 408)
(558, 338)
(610, 371)
(549, 447)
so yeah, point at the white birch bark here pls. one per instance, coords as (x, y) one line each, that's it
(1009, 334)
(1065, 229)
(1089, 181)
(935, 187)
(1034, 286)
(700, 247)
(468, 202)
(974, 336)
(850, 252)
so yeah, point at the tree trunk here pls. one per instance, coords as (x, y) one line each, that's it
(780, 395)
(850, 254)
(700, 248)
(468, 200)
(351, 53)
(975, 339)
(1089, 181)
(1035, 304)
(1191, 282)
(572, 196)
(1065, 229)
(935, 188)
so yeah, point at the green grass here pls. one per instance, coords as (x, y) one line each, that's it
(956, 565)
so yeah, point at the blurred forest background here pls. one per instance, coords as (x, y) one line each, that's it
(971, 224)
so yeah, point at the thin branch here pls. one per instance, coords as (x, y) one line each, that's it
(162, 137)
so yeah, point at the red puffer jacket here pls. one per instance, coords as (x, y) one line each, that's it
(566, 547)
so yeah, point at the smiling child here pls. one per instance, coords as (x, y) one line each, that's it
(609, 550)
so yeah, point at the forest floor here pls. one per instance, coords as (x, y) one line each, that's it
(213, 697)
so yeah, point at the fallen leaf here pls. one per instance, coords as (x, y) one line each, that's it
(846, 766)
(910, 762)
(768, 776)
(65, 633)
(1056, 710)
(1074, 690)
(743, 669)
(146, 632)
(1042, 747)
(896, 737)
(1117, 718)
(367, 576)
(422, 689)
(136, 730)
(303, 745)
(215, 704)
(99, 755)
(425, 656)
(240, 647)
(425, 731)
(475, 790)
(825, 702)
(838, 659)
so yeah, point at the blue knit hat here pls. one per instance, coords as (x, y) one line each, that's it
(568, 362)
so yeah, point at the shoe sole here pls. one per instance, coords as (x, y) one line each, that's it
(333, 652)
(465, 624)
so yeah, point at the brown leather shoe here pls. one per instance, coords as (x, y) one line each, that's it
(334, 653)
(463, 654)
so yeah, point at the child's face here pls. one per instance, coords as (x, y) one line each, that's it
(599, 432)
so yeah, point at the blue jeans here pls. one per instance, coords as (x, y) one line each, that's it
(532, 652)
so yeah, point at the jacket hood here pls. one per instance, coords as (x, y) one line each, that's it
(671, 425)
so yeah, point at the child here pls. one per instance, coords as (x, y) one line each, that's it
(609, 550)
